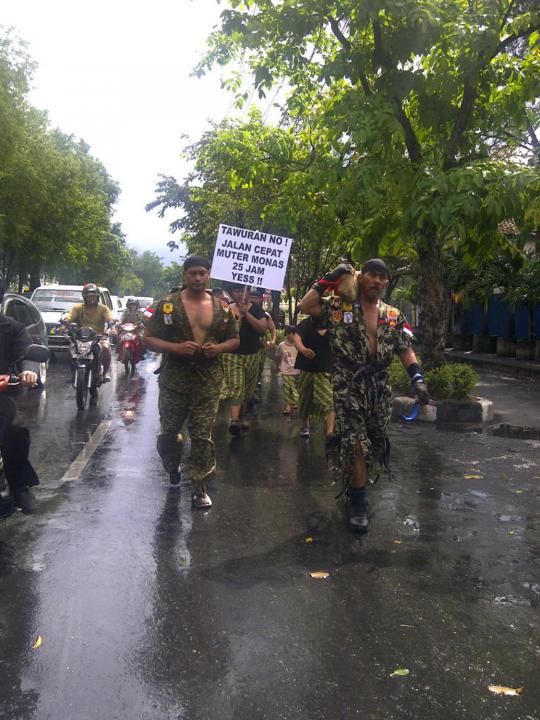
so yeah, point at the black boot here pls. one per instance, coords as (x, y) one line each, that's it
(25, 499)
(358, 510)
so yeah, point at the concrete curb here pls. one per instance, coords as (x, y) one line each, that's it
(493, 363)
(446, 411)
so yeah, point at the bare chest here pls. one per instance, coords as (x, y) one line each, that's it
(371, 319)
(200, 315)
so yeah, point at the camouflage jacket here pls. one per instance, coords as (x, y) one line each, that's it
(348, 337)
(167, 319)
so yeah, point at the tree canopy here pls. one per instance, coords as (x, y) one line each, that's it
(56, 199)
(425, 110)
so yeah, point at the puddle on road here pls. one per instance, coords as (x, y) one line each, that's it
(512, 600)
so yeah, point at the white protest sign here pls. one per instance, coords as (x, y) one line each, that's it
(250, 257)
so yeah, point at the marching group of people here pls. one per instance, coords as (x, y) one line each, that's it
(333, 365)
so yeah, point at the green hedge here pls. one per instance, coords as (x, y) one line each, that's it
(451, 382)
(448, 382)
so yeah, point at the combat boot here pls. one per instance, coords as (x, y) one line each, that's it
(358, 510)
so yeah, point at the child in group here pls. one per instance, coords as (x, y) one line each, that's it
(286, 354)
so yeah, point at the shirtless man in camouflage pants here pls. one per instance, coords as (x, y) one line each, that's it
(364, 334)
(191, 328)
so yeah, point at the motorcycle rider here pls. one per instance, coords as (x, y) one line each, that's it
(133, 314)
(15, 467)
(91, 313)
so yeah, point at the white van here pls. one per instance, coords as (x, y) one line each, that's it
(54, 301)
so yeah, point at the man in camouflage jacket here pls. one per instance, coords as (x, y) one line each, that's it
(365, 333)
(191, 328)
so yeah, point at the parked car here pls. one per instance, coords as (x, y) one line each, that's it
(53, 302)
(23, 309)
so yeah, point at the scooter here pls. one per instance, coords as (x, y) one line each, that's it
(129, 347)
(35, 353)
(85, 353)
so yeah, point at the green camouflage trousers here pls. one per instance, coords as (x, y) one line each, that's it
(193, 397)
(363, 409)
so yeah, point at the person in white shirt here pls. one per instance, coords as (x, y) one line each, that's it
(286, 354)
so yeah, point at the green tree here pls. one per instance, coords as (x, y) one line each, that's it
(429, 108)
(251, 175)
(148, 267)
(56, 200)
(171, 276)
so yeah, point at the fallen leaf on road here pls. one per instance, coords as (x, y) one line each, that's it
(404, 625)
(399, 672)
(473, 477)
(398, 542)
(37, 643)
(319, 575)
(510, 532)
(309, 540)
(502, 690)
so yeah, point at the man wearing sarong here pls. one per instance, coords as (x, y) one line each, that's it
(241, 368)
(315, 362)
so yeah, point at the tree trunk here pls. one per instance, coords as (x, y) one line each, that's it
(434, 303)
(276, 314)
(289, 295)
(35, 277)
(23, 276)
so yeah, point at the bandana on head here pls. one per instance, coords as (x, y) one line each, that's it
(196, 261)
(376, 265)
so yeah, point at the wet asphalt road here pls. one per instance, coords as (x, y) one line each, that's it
(147, 610)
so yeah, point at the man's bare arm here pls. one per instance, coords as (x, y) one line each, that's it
(299, 345)
(408, 357)
(258, 324)
(310, 304)
(273, 330)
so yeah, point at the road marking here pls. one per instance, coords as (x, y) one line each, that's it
(76, 468)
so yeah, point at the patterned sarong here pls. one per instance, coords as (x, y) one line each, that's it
(290, 389)
(240, 375)
(316, 398)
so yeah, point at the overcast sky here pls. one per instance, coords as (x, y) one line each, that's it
(116, 73)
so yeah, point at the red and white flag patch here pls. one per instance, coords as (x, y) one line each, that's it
(148, 312)
(407, 329)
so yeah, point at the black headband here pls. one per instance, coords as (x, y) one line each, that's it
(196, 261)
(376, 265)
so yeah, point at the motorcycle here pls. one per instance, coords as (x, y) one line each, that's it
(86, 358)
(34, 353)
(129, 347)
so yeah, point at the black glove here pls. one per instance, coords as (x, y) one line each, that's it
(422, 394)
(330, 281)
(418, 385)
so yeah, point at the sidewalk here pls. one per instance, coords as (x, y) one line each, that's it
(494, 363)
(516, 400)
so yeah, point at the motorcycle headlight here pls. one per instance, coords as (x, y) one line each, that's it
(128, 336)
(84, 348)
